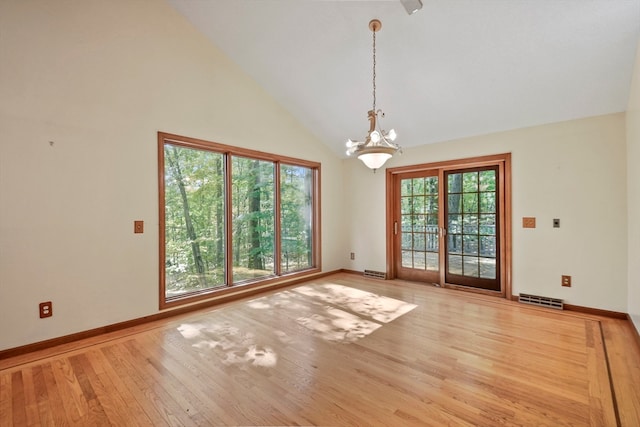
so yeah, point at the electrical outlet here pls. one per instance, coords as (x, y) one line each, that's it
(46, 309)
(566, 281)
(353, 255)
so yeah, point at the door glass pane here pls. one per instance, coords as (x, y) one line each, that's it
(407, 241)
(470, 182)
(487, 268)
(406, 186)
(296, 220)
(407, 259)
(419, 260)
(433, 261)
(470, 224)
(431, 185)
(455, 224)
(455, 183)
(417, 186)
(432, 237)
(455, 243)
(419, 223)
(470, 202)
(488, 246)
(252, 218)
(455, 264)
(194, 220)
(406, 224)
(487, 224)
(455, 203)
(470, 266)
(406, 204)
(487, 202)
(470, 244)
(419, 242)
(418, 204)
(488, 180)
(432, 204)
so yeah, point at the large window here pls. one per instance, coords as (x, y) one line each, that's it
(232, 217)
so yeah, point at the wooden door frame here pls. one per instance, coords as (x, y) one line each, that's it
(503, 161)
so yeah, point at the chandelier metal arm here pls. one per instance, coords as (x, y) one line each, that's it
(372, 120)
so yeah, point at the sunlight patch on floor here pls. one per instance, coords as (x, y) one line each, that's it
(378, 307)
(283, 300)
(333, 312)
(232, 346)
(338, 325)
(256, 356)
(349, 314)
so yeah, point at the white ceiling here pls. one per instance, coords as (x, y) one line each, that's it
(455, 68)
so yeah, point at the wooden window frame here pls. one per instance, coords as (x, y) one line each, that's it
(504, 163)
(229, 287)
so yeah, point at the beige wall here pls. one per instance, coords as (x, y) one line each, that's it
(100, 79)
(573, 170)
(633, 192)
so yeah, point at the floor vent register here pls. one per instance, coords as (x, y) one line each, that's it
(541, 301)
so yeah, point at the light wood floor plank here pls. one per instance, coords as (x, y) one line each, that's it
(342, 350)
(73, 402)
(123, 393)
(42, 398)
(6, 401)
(157, 404)
(17, 394)
(30, 400)
(55, 398)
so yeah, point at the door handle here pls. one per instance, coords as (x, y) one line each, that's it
(395, 227)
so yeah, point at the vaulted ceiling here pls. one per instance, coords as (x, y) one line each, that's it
(453, 69)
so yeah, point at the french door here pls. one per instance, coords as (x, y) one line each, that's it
(417, 230)
(472, 229)
(449, 223)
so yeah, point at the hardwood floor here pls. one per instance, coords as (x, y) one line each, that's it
(342, 350)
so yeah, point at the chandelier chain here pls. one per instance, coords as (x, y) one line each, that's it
(374, 71)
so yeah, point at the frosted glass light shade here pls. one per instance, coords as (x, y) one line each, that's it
(375, 136)
(392, 135)
(374, 160)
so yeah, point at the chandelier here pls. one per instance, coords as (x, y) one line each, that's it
(378, 147)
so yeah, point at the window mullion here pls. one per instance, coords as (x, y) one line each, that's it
(228, 220)
(277, 244)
